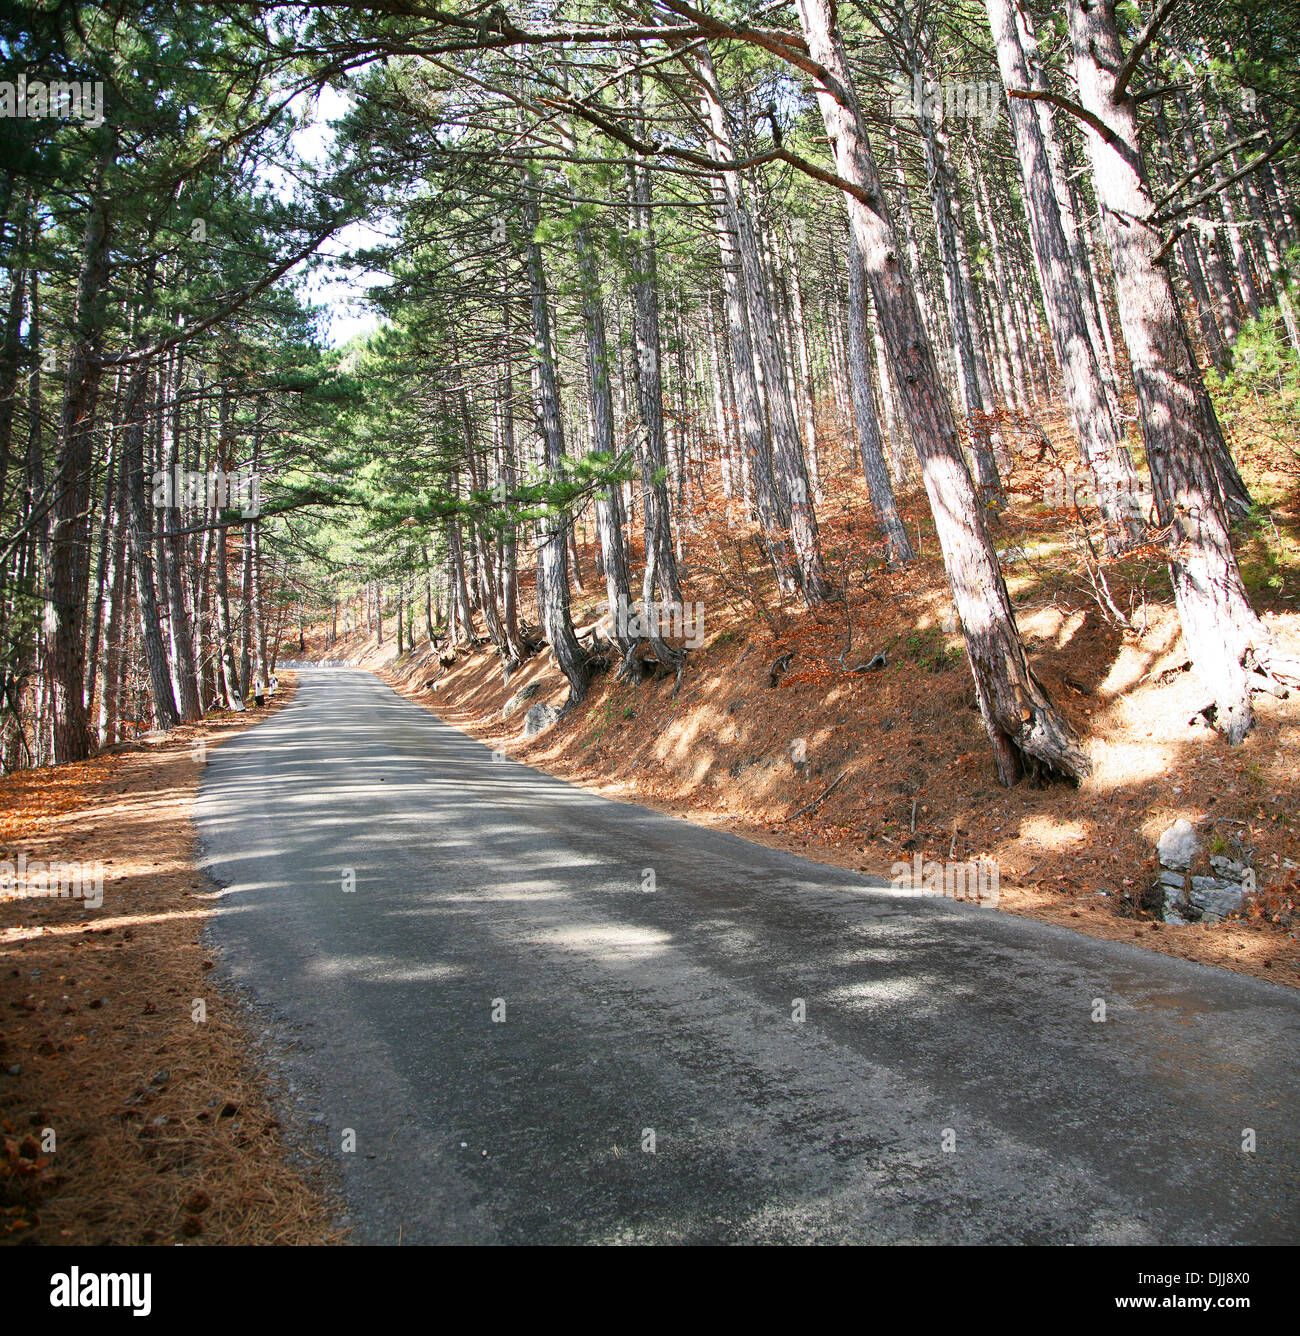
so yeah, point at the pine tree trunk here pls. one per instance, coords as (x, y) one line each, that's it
(961, 318)
(98, 583)
(483, 559)
(1247, 294)
(115, 599)
(509, 566)
(661, 560)
(807, 406)
(160, 683)
(609, 500)
(1223, 636)
(1025, 729)
(1022, 39)
(69, 564)
(897, 544)
(772, 513)
(225, 640)
(9, 350)
(181, 642)
(552, 555)
(1077, 356)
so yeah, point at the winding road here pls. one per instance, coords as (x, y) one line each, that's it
(528, 1044)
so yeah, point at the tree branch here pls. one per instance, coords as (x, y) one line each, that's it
(1159, 220)
(702, 160)
(189, 331)
(1082, 113)
(1202, 166)
(1144, 40)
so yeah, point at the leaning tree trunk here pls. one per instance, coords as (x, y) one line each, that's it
(1225, 639)
(1025, 729)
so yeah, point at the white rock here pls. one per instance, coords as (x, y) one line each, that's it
(1178, 845)
(538, 719)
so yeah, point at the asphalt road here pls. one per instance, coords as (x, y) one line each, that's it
(485, 888)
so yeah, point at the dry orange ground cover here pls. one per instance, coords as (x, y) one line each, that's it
(908, 739)
(162, 1126)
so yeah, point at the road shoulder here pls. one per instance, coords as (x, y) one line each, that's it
(134, 1108)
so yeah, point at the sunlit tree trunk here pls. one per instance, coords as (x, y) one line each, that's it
(870, 447)
(1225, 639)
(770, 506)
(1025, 729)
(609, 499)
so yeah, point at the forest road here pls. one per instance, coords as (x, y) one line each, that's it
(542, 1016)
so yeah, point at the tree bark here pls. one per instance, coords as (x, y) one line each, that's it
(552, 555)
(1025, 729)
(769, 504)
(609, 501)
(1077, 356)
(181, 657)
(69, 565)
(1224, 638)
(166, 715)
(870, 448)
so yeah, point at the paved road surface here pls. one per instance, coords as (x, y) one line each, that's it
(480, 881)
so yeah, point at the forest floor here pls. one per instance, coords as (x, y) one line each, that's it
(164, 1126)
(905, 746)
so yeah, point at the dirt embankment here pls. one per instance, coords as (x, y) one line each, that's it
(906, 751)
(131, 1107)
